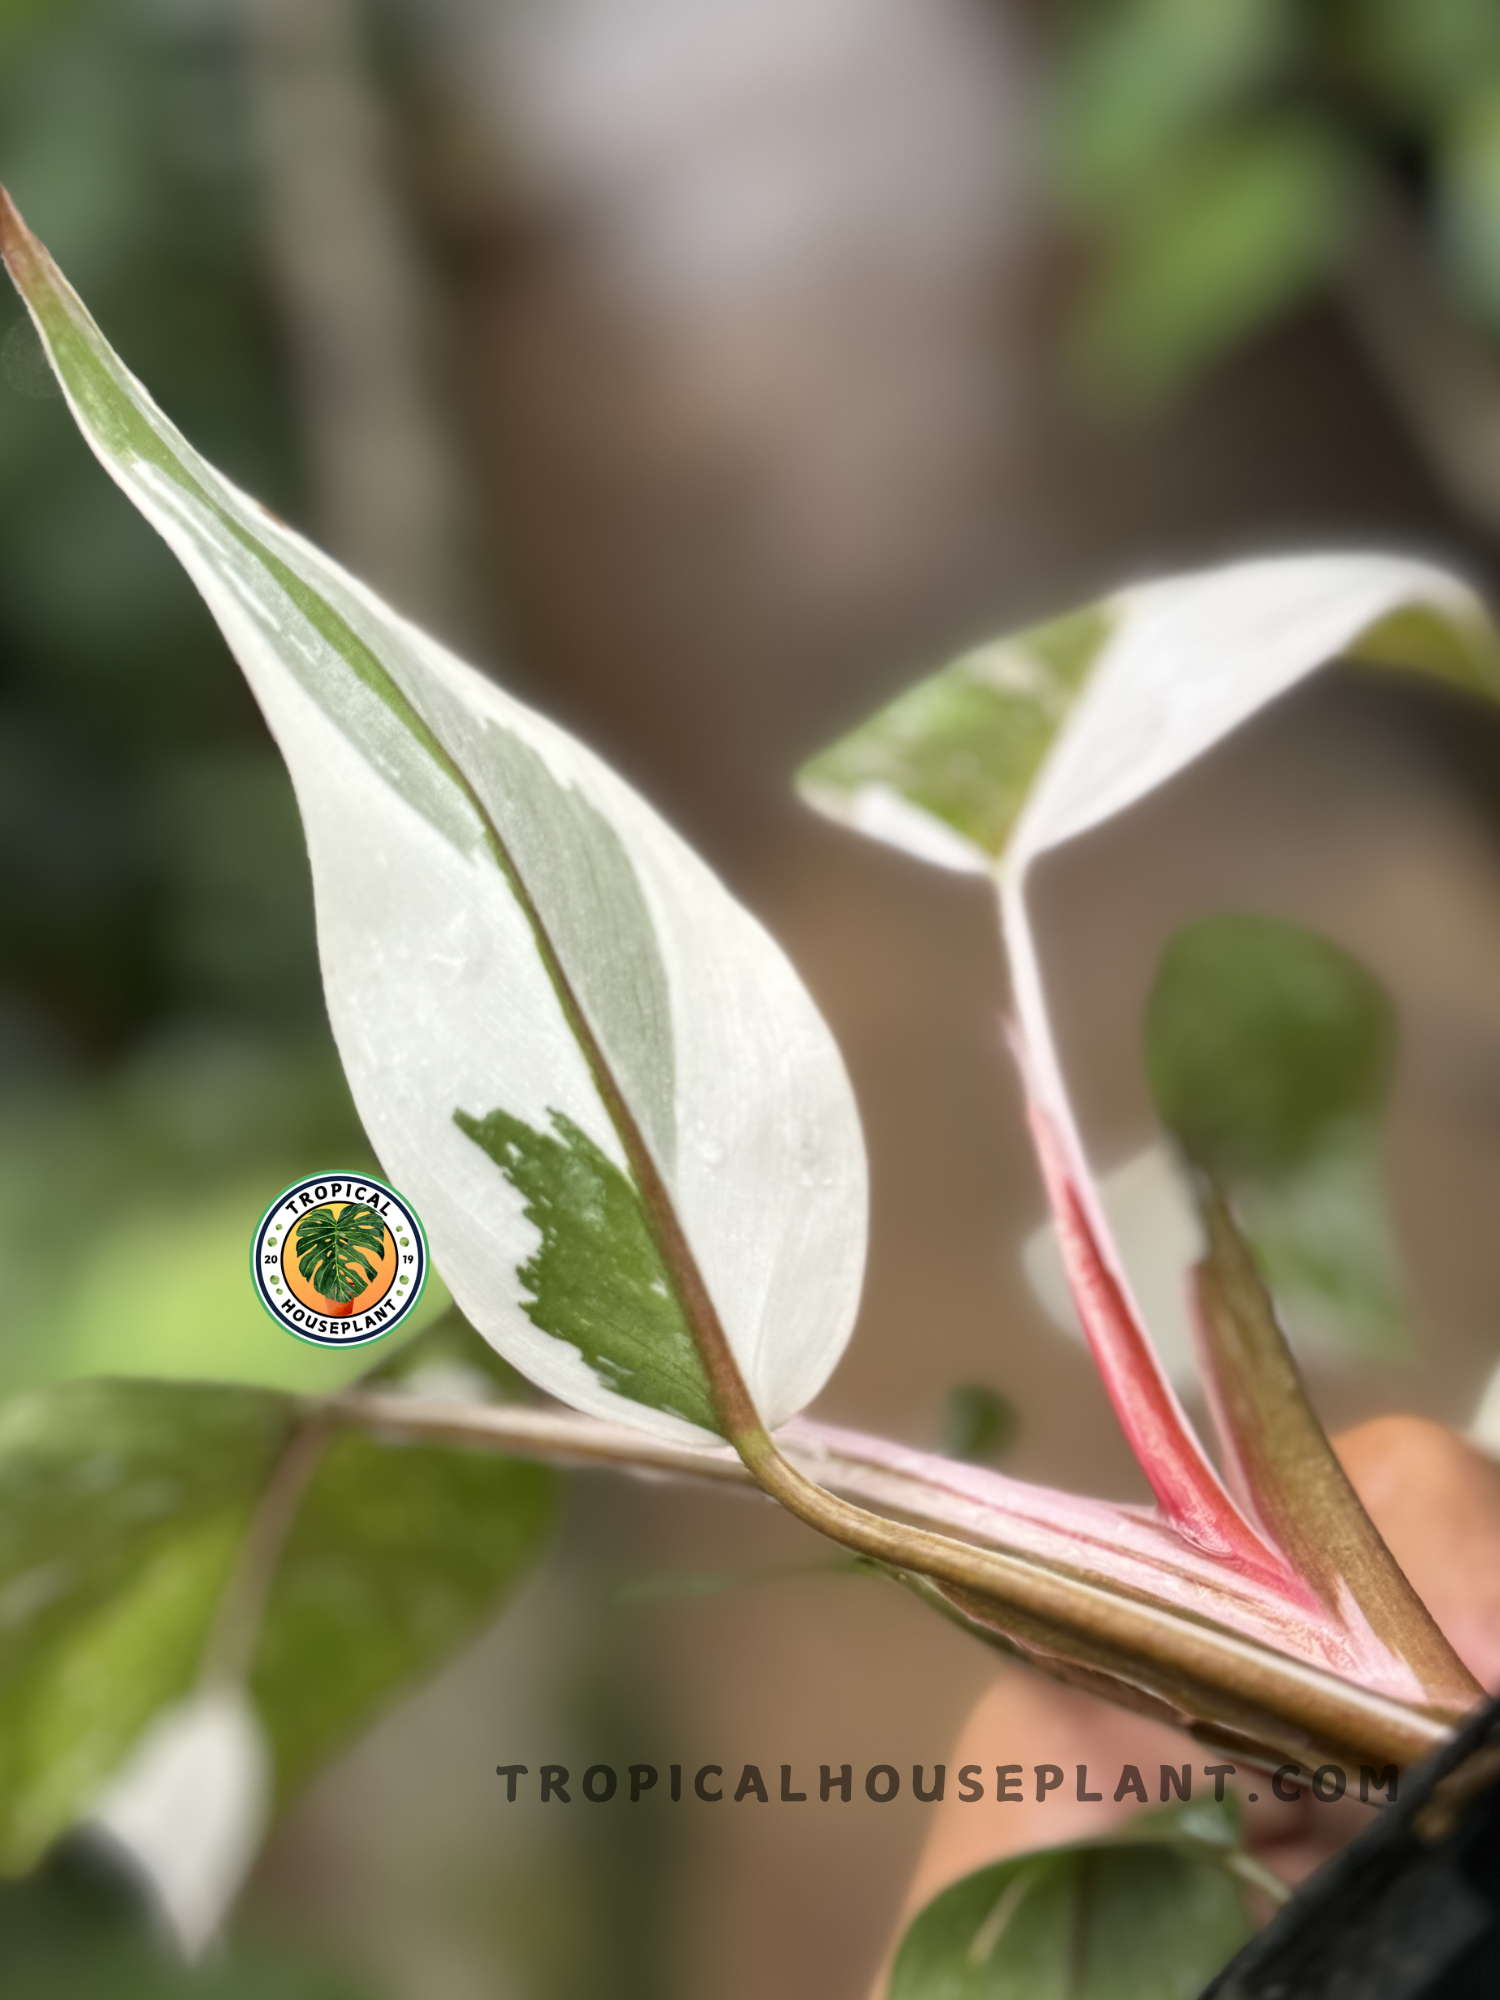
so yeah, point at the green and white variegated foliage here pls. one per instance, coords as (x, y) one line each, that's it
(1031, 741)
(1024, 745)
(542, 998)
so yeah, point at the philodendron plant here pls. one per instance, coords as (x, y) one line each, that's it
(637, 1155)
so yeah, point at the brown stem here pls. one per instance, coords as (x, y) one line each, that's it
(1207, 1675)
(1235, 1690)
(1279, 1456)
(229, 1651)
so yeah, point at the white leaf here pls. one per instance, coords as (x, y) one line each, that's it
(189, 1807)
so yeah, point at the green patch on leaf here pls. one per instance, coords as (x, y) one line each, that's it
(597, 1279)
(398, 1556)
(1270, 1053)
(1447, 646)
(964, 747)
(1150, 1915)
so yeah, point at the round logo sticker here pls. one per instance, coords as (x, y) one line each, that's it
(339, 1259)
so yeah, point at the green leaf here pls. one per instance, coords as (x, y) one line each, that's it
(1261, 1038)
(1270, 1053)
(124, 1511)
(1149, 1916)
(504, 924)
(399, 1555)
(163, 1291)
(980, 1425)
(963, 748)
(121, 1507)
(1241, 226)
(597, 1280)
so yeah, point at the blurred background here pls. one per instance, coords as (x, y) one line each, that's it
(711, 370)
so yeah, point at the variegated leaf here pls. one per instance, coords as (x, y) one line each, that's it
(1027, 744)
(1174, 669)
(596, 1076)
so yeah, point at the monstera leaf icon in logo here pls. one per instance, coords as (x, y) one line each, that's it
(332, 1247)
(339, 1259)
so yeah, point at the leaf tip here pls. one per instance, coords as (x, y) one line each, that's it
(23, 253)
(15, 237)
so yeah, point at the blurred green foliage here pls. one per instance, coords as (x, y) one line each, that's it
(124, 1509)
(980, 1425)
(121, 1508)
(79, 1930)
(1217, 157)
(1270, 1054)
(1151, 1914)
(1259, 1037)
(399, 1555)
(165, 1066)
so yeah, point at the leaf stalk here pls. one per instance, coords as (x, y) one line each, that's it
(1257, 1701)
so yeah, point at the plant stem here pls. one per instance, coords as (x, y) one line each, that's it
(229, 1651)
(1280, 1458)
(1213, 1678)
(1247, 1696)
